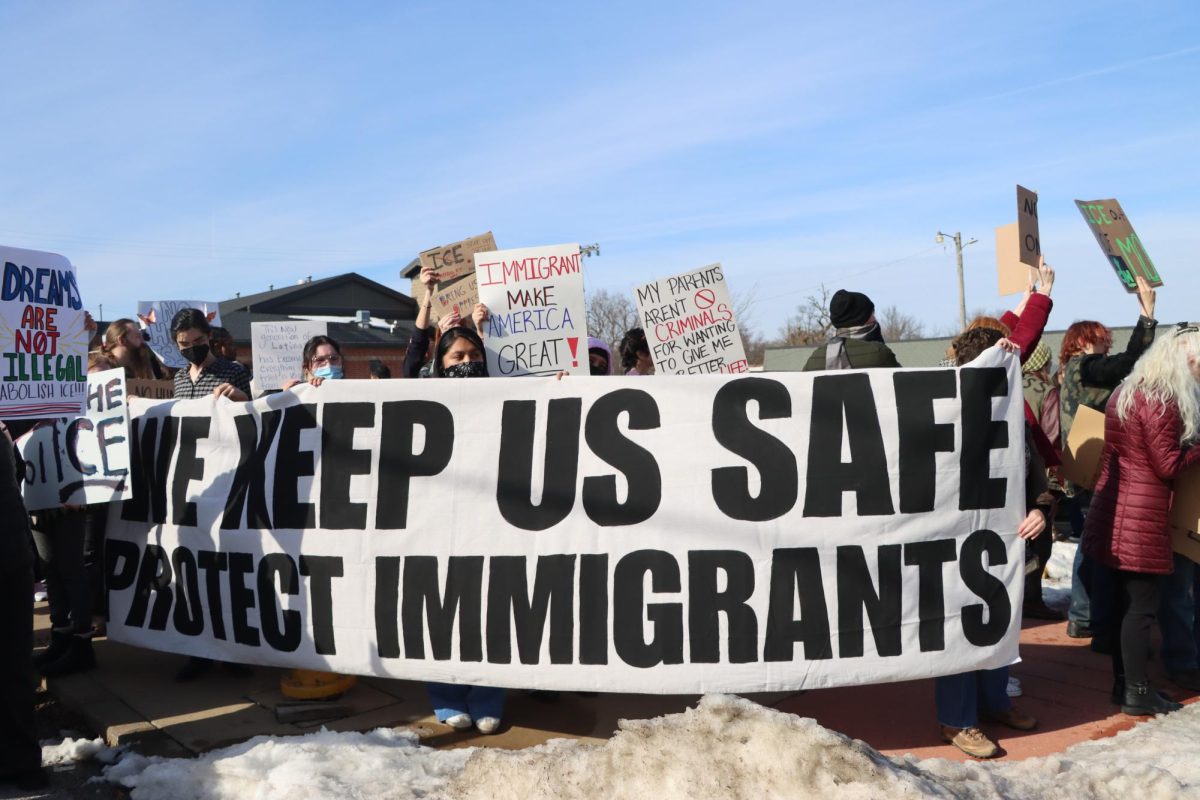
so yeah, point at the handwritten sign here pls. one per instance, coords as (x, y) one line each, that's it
(689, 324)
(537, 322)
(1027, 226)
(1011, 275)
(457, 297)
(155, 317)
(1121, 245)
(150, 389)
(452, 261)
(82, 459)
(43, 338)
(279, 350)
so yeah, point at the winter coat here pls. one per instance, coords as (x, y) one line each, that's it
(1128, 527)
(862, 354)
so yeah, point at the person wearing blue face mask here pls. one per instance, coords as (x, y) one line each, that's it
(322, 362)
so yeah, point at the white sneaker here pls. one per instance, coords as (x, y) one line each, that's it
(460, 722)
(488, 724)
(1014, 687)
(39, 592)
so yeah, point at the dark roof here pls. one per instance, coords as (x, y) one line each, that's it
(412, 270)
(336, 296)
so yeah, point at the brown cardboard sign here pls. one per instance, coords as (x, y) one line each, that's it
(1027, 226)
(455, 260)
(1011, 275)
(150, 389)
(1085, 445)
(1185, 515)
(1121, 245)
(460, 295)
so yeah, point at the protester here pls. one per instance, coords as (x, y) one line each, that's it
(599, 357)
(20, 755)
(418, 361)
(321, 361)
(222, 344)
(95, 525)
(125, 346)
(856, 342)
(206, 373)
(635, 353)
(1041, 396)
(1151, 426)
(1088, 376)
(378, 370)
(964, 699)
(460, 354)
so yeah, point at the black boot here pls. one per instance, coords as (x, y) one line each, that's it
(79, 657)
(59, 642)
(1142, 700)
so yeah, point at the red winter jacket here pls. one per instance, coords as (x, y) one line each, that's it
(1128, 526)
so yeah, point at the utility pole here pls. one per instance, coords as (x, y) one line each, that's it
(962, 291)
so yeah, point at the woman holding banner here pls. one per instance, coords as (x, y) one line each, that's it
(1151, 427)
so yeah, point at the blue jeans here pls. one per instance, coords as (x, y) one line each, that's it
(960, 697)
(1091, 592)
(1177, 616)
(451, 699)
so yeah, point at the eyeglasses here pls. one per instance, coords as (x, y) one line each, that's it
(320, 361)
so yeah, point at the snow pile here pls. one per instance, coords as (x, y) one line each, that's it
(383, 765)
(70, 750)
(1056, 581)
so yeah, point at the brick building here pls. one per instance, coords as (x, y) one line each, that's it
(369, 320)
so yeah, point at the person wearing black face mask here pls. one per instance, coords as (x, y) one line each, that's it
(206, 373)
(599, 357)
(857, 342)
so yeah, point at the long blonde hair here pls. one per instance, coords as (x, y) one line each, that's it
(1164, 374)
(141, 366)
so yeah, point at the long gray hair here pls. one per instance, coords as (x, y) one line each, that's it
(1164, 374)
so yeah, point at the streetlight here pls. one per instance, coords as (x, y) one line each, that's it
(962, 292)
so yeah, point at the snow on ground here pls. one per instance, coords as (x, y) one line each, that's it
(70, 750)
(726, 748)
(1056, 581)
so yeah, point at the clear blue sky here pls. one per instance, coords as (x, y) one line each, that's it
(195, 150)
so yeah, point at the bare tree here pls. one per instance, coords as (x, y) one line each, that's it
(810, 324)
(896, 326)
(609, 315)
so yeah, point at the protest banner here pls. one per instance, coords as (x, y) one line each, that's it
(1029, 237)
(1012, 276)
(679, 535)
(43, 336)
(279, 350)
(1085, 445)
(150, 389)
(457, 297)
(689, 324)
(82, 459)
(452, 261)
(155, 318)
(1115, 235)
(537, 322)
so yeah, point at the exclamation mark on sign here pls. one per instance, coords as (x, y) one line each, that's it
(573, 343)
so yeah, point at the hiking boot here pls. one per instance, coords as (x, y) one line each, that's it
(1186, 679)
(78, 657)
(1079, 630)
(1141, 700)
(971, 741)
(59, 642)
(1011, 718)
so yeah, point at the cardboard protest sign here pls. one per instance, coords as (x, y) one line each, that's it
(452, 261)
(1027, 227)
(678, 535)
(689, 324)
(1115, 235)
(1085, 445)
(1185, 515)
(537, 322)
(457, 297)
(279, 350)
(43, 336)
(150, 389)
(1011, 275)
(82, 459)
(155, 317)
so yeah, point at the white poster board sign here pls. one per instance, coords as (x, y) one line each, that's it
(279, 348)
(689, 324)
(538, 320)
(43, 336)
(155, 317)
(82, 459)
